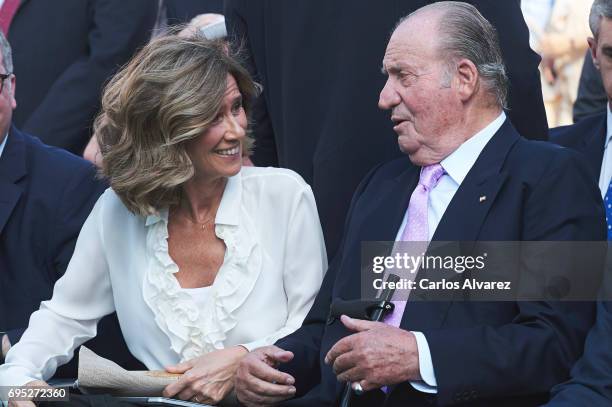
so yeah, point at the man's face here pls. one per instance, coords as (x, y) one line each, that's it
(7, 102)
(419, 93)
(601, 51)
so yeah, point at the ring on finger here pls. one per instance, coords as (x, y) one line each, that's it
(357, 388)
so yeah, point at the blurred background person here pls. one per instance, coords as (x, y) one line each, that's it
(558, 31)
(202, 259)
(64, 51)
(591, 98)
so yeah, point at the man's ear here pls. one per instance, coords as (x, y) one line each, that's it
(593, 48)
(466, 79)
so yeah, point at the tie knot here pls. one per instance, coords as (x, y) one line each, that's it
(430, 175)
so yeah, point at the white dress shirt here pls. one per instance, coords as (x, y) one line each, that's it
(273, 267)
(606, 164)
(456, 166)
(3, 141)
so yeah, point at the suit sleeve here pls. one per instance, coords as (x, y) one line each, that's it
(538, 348)
(65, 116)
(78, 198)
(591, 382)
(305, 343)
(525, 102)
(80, 298)
(238, 14)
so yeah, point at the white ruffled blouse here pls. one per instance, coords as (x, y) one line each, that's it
(273, 267)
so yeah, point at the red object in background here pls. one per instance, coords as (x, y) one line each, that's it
(7, 12)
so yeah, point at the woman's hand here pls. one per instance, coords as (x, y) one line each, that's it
(34, 383)
(208, 378)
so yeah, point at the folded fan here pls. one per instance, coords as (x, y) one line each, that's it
(99, 375)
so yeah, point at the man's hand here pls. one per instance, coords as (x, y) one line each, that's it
(92, 152)
(208, 378)
(36, 383)
(377, 355)
(259, 383)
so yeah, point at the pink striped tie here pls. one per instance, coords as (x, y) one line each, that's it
(417, 228)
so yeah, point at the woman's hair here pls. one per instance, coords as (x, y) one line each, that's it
(169, 93)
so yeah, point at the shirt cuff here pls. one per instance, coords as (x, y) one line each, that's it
(429, 383)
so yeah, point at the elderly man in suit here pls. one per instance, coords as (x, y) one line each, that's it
(469, 176)
(319, 64)
(591, 377)
(45, 196)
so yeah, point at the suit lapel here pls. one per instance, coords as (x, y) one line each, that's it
(383, 216)
(593, 146)
(12, 169)
(381, 219)
(465, 216)
(466, 212)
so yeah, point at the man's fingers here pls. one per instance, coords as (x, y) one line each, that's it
(358, 325)
(277, 355)
(342, 346)
(264, 388)
(269, 374)
(353, 374)
(344, 362)
(249, 398)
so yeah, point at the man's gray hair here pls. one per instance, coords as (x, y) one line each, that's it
(599, 9)
(465, 33)
(7, 54)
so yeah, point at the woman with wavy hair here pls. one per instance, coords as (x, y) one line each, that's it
(202, 259)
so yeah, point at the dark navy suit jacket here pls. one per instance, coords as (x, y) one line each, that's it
(484, 353)
(63, 53)
(45, 196)
(591, 382)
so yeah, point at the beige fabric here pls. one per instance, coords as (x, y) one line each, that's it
(99, 375)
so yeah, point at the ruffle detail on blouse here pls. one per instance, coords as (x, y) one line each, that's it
(192, 331)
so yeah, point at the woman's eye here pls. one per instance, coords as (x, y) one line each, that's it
(237, 107)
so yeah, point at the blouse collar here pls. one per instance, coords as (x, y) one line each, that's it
(229, 208)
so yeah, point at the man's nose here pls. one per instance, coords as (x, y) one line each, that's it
(389, 98)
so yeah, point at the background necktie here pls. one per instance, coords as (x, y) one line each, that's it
(7, 12)
(608, 205)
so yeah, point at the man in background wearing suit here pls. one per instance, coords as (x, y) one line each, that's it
(319, 64)
(469, 176)
(591, 377)
(45, 196)
(64, 52)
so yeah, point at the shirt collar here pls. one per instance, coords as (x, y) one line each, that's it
(229, 208)
(459, 162)
(608, 125)
(3, 144)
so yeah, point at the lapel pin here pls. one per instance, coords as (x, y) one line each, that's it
(482, 198)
